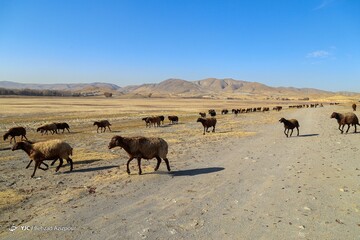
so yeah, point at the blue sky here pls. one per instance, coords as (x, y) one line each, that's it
(300, 43)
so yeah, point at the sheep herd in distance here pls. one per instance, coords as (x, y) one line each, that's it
(145, 147)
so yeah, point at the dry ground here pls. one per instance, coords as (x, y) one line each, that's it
(246, 181)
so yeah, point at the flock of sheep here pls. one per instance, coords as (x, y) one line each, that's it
(136, 147)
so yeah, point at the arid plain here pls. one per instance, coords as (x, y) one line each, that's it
(245, 181)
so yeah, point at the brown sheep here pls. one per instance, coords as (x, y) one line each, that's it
(354, 107)
(47, 150)
(62, 126)
(347, 118)
(290, 125)
(102, 124)
(47, 127)
(173, 119)
(202, 114)
(207, 122)
(15, 131)
(142, 147)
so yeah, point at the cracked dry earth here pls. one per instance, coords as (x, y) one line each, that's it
(259, 186)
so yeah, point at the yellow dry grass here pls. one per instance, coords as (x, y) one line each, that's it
(9, 196)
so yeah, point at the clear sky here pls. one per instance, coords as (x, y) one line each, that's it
(299, 43)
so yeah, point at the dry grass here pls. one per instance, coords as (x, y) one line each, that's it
(9, 196)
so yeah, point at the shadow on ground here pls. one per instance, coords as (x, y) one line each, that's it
(92, 169)
(309, 135)
(197, 171)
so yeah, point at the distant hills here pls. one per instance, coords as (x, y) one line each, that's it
(206, 88)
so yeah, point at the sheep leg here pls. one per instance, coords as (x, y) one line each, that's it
(167, 164)
(297, 131)
(53, 162)
(24, 137)
(12, 139)
(127, 165)
(158, 163)
(29, 164)
(213, 128)
(37, 164)
(69, 160)
(340, 128)
(60, 164)
(285, 132)
(109, 128)
(291, 132)
(204, 130)
(139, 165)
(47, 166)
(348, 128)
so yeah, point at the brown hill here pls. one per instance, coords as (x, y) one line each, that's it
(219, 88)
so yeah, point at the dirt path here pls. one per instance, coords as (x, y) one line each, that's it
(264, 186)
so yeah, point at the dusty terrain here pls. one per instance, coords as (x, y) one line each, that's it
(246, 181)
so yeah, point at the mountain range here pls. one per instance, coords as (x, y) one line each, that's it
(210, 87)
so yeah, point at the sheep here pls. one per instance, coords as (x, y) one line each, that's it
(47, 127)
(62, 126)
(102, 124)
(152, 121)
(15, 131)
(47, 150)
(224, 111)
(162, 118)
(212, 112)
(207, 122)
(173, 119)
(290, 124)
(142, 147)
(146, 121)
(354, 107)
(202, 114)
(347, 118)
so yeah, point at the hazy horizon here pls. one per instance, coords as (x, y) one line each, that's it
(303, 44)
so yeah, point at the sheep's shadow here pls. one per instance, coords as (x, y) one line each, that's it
(86, 161)
(309, 135)
(196, 171)
(115, 131)
(92, 169)
(4, 149)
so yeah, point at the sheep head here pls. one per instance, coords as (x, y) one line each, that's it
(18, 145)
(6, 135)
(200, 120)
(334, 115)
(115, 142)
(95, 123)
(282, 120)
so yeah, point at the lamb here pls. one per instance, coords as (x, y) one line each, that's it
(207, 122)
(152, 121)
(62, 126)
(15, 131)
(290, 124)
(173, 119)
(142, 147)
(347, 118)
(354, 107)
(47, 150)
(102, 124)
(47, 127)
